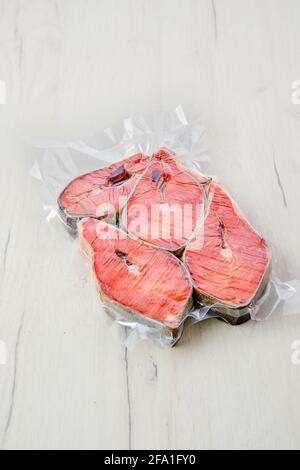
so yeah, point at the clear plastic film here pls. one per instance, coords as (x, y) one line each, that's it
(209, 241)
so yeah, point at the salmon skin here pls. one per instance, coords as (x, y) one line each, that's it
(136, 280)
(228, 261)
(100, 192)
(166, 204)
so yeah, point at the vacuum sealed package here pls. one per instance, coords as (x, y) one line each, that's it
(167, 244)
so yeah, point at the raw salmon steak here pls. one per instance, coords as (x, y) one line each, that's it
(100, 193)
(146, 284)
(166, 204)
(228, 261)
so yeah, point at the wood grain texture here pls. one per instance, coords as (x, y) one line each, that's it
(72, 67)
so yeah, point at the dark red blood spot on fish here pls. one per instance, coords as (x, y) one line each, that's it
(156, 174)
(118, 176)
(222, 234)
(162, 182)
(161, 178)
(123, 256)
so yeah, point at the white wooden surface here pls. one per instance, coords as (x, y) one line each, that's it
(70, 68)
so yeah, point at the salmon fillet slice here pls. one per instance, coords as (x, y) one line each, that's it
(101, 192)
(166, 204)
(146, 284)
(228, 261)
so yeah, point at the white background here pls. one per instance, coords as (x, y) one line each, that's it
(72, 67)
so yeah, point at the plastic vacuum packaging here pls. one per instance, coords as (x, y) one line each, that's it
(167, 244)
